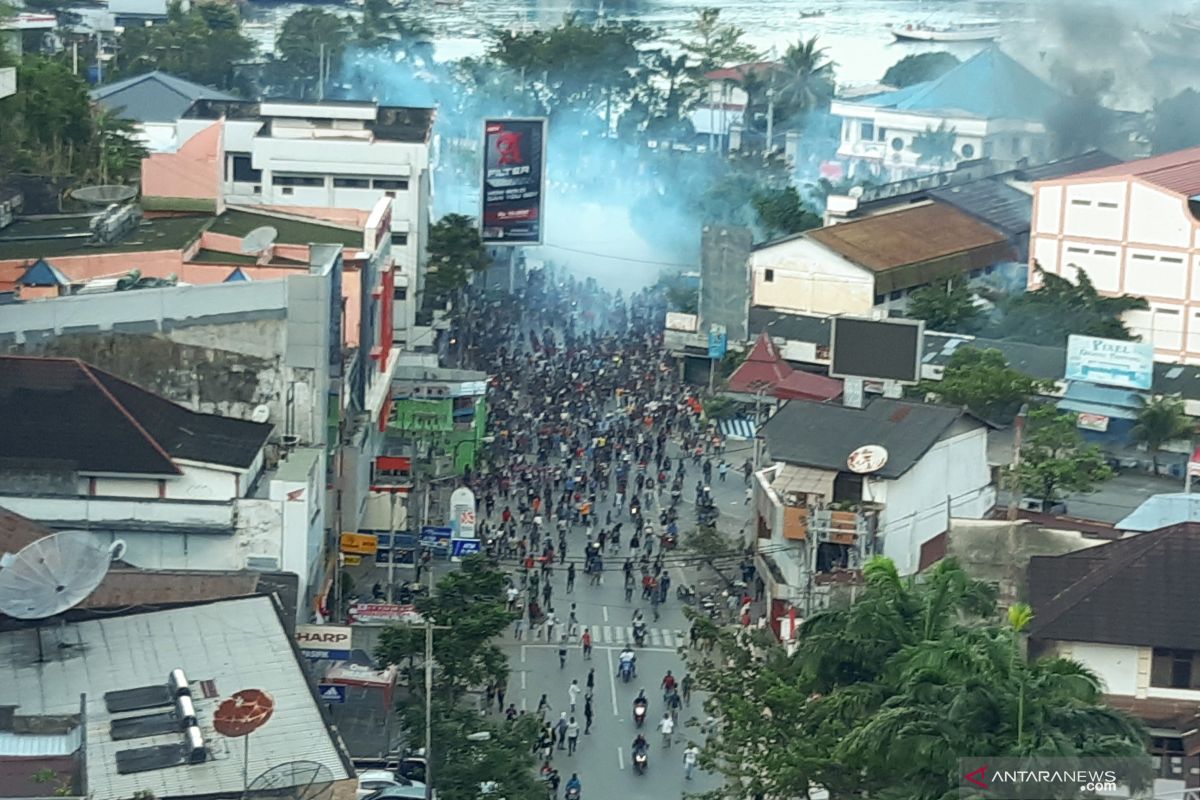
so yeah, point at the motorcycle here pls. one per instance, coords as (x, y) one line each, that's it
(685, 593)
(572, 794)
(626, 671)
(639, 634)
(639, 714)
(640, 759)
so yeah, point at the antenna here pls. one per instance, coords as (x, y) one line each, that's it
(55, 573)
(293, 780)
(258, 240)
(104, 196)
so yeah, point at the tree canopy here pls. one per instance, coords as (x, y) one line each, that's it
(311, 44)
(782, 212)
(882, 698)
(1054, 458)
(202, 44)
(1059, 308)
(919, 68)
(455, 252)
(935, 146)
(982, 381)
(947, 306)
(1160, 421)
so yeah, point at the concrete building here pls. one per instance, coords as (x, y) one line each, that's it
(1134, 228)
(814, 515)
(874, 263)
(8, 81)
(71, 687)
(1125, 611)
(994, 107)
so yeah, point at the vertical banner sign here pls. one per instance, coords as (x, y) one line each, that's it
(513, 181)
(462, 513)
(718, 341)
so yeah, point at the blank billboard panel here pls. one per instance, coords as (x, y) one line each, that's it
(883, 350)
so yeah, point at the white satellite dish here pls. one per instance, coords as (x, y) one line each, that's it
(55, 573)
(867, 459)
(258, 240)
(855, 192)
(261, 413)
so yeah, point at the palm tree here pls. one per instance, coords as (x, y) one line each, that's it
(935, 146)
(1160, 421)
(803, 81)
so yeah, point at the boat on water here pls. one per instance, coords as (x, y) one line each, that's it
(978, 32)
(811, 14)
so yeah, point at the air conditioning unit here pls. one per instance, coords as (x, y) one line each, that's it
(177, 682)
(262, 563)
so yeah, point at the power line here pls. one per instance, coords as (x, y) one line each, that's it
(619, 258)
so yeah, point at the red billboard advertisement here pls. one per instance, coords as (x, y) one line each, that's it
(514, 156)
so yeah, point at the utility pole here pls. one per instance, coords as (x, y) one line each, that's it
(770, 119)
(391, 570)
(1015, 483)
(321, 73)
(429, 698)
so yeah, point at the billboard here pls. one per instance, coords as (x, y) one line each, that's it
(885, 349)
(1110, 362)
(514, 156)
(718, 341)
(324, 642)
(462, 513)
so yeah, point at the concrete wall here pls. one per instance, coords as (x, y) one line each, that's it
(809, 278)
(724, 284)
(1115, 665)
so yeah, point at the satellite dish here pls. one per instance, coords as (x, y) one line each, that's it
(867, 459)
(258, 240)
(55, 573)
(294, 780)
(855, 192)
(243, 713)
(261, 413)
(104, 196)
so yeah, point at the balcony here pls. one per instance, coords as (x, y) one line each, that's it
(795, 523)
(839, 527)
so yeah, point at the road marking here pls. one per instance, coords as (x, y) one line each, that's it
(524, 653)
(620, 759)
(605, 610)
(524, 705)
(612, 683)
(523, 674)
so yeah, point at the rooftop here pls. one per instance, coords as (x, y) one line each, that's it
(1177, 172)
(1135, 591)
(992, 202)
(41, 237)
(989, 85)
(237, 222)
(739, 72)
(391, 123)
(765, 369)
(154, 97)
(1162, 511)
(824, 435)
(222, 647)
(69, 412)
(1092, 159)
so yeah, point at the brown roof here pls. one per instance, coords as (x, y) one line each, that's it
(1136, 591)
(1177, 172)
(912, 236)
(136, 587)
(738, 73)
(17, 531)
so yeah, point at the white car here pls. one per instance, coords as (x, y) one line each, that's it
(380, 784)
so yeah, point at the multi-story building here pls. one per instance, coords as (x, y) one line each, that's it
(992, 106)
(1134, 228)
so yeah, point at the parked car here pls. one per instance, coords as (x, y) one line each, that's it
(382, 784)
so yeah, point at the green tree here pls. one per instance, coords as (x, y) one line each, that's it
(882, 698)
(712, 44)
(47, 126)
(455, 253)
(935, 146)
(803, 80)
(120, 150)
(1160, 421)
(1054, 458)
(383, 24)
(203, 44)
(1059, 308)
(919, 68)
(1176, 122)
(947, 305)
(781, 212)
(983, 381)
(469, 605)
(682, 292)
(310, 45)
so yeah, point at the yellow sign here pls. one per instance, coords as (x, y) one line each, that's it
(359, 543)
(352, 561)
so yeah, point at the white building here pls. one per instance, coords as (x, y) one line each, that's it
(1126, 611)
(332, 160)
(83, 449)
(8, 81)
(1134, 228)
(995, 107)
(815, 517)
(875, 262)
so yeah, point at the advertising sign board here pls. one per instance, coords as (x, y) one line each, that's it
(462, 513)
(324, 642)
(884, 349)
(514, 156)
(382, 613)
(1110, 362)
(363, 544)
(463, 547)
(718, 341)
(1091, 422)
(332, 693)
(437, 537)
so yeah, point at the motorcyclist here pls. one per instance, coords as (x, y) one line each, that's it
(574, 784)
(628, 657)
(640, 745)
(641, 698)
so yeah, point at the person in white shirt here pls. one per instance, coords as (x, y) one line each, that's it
(573, 693)
(667, 726)
(690, 756)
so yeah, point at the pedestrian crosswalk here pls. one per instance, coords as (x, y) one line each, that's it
(620, 635)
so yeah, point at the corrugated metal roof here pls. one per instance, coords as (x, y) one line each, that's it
(238, 644)
(30, 745)
(991, 201)
(911, 236)
(1176, 172)
(154, 97)
(1091, 160)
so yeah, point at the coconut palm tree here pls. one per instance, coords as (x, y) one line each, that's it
(1160, 421)
(935, 146)
(803, 82)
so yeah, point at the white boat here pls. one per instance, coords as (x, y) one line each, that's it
(981, 32)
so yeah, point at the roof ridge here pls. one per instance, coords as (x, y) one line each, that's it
(1083, 588)
(87, 370)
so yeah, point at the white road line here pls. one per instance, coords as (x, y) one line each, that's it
(608, 634)
(523, 674)
(620, 759)
(524, 653)
(612, 684)
(524, 704)
(605, 610)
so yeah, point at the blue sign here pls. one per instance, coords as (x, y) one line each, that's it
(436, 537)
(332, 693)
(463, 547)
(406, 545)
(1110, 362)
(718, 342)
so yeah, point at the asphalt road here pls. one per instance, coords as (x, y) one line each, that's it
(1114, 499)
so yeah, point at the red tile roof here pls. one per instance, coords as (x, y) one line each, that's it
(1177, 172)
(764, 368)
(739, 72)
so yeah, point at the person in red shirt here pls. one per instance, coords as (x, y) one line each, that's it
(587, 643)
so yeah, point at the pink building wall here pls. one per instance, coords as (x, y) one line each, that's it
(193, 172)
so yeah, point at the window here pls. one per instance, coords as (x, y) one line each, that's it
(1109, 253)
(399, 184)
(881, 135)
(1174, 669)
(1170, 260)
(897, 144)
(1016, 146)
(299, 180)
(879, 299)
(1142, 257)
(845, 132)
(896, 295)
(351, 183)
(288, 190)
(243, 171)
(1107, 205)
(1081, 202)
(868, 131)
(399, 239)
(769, 276)
(1078, 250)
(1167, 312)
(987, 149)
(400, 293)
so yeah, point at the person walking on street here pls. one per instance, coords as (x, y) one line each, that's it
(686, 687)
(668, 685)
(573, 693)
(499, 696)
(667, 726)
(549, 624)
(591, 680)
(571, 578)
(690, 756)
(588, 714)
(722, 470)
(543, 708)
(572, 622)
(572, 736)
(560, 729)
(562, 653)
(586, 639)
